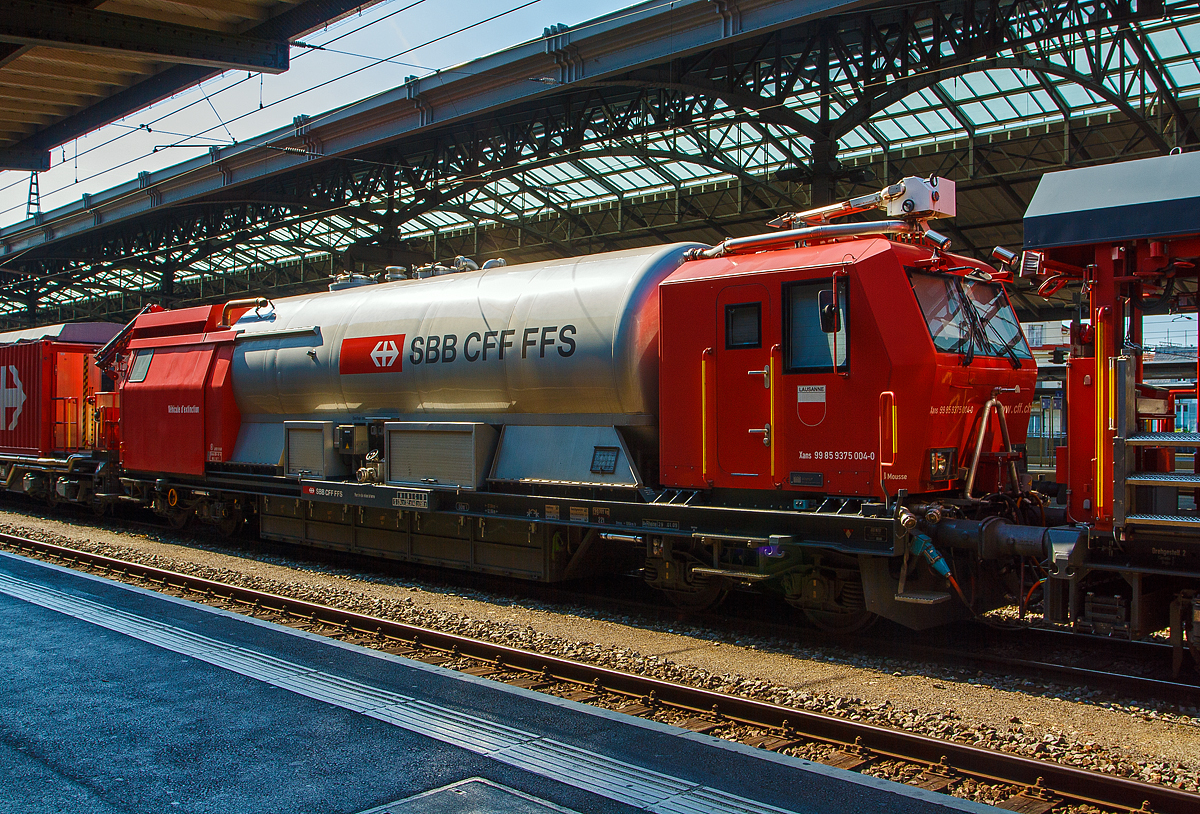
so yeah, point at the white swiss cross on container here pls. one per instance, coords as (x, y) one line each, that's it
(385, 353)
(12, 397)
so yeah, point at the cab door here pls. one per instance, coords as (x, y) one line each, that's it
(745, 316)
(828, 437)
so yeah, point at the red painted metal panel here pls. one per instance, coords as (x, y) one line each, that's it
(1080, 475)
(743, 408)
(183, 321)
(163, 416)
(44, 388)
(25, 398)
(372, 354)
(183, 415)
(825, 423)
(222, 418)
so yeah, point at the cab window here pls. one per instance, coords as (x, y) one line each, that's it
(808, 348)
(968, 316)
(743, 325)
(140, 366)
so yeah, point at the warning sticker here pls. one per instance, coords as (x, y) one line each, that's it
(810, 404)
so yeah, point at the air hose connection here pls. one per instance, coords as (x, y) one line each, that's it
(923, 546)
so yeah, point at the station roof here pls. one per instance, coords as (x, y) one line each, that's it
(665, 122)
(70, 66)
(1151, 198)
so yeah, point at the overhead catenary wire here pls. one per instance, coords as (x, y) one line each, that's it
(199, 86)
(202, 133)
(12, 286)
(418, 2)
(376, 61)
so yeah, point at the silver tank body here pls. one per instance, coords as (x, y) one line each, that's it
(288, 360)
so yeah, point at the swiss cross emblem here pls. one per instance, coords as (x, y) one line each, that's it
(385, 353)
(12, 397)
(372, 354)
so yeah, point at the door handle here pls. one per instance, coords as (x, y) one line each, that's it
(766, 430)
(765, 373)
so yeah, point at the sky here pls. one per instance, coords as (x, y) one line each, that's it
(364, 54)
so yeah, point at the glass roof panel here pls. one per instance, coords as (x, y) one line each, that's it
(729, 139)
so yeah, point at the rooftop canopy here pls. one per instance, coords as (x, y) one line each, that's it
(1151, 198)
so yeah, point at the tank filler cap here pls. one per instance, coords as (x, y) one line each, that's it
(350, 281)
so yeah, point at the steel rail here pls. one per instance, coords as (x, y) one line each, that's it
(1141, 687)
(1128, 684)
(1039, 777)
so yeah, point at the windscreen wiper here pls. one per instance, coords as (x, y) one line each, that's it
(974, 328)
(1009, 348)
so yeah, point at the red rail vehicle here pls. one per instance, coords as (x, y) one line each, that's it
(48, 385)
(833, 412)
(1126, 240)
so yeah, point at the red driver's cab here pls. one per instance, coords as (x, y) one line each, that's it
(850, 360)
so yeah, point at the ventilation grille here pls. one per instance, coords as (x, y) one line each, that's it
(306, 452)
(429, 456)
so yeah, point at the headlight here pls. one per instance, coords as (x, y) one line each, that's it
(943, 463)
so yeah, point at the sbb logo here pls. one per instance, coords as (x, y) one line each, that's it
(385, 353)
(371, 354)
(12, 397)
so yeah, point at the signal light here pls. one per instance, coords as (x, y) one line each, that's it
(943, 463)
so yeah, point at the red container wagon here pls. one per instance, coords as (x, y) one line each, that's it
(48, 385)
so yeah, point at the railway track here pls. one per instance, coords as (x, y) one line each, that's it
(975, 647)
(1032, 786)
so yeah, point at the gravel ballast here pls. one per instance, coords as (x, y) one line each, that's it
(1072, 725)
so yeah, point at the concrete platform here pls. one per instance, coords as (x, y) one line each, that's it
(117, 699)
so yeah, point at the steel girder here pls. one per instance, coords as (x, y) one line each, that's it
(61, 25)
(815, 99)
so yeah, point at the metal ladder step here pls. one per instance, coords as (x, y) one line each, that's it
(1162, 478)
(1177, 520)
(923, 597)
(1164, 439)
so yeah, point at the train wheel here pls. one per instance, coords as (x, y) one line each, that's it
(841, 622)
(705, 594)
(232, 522)
(178, 518)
